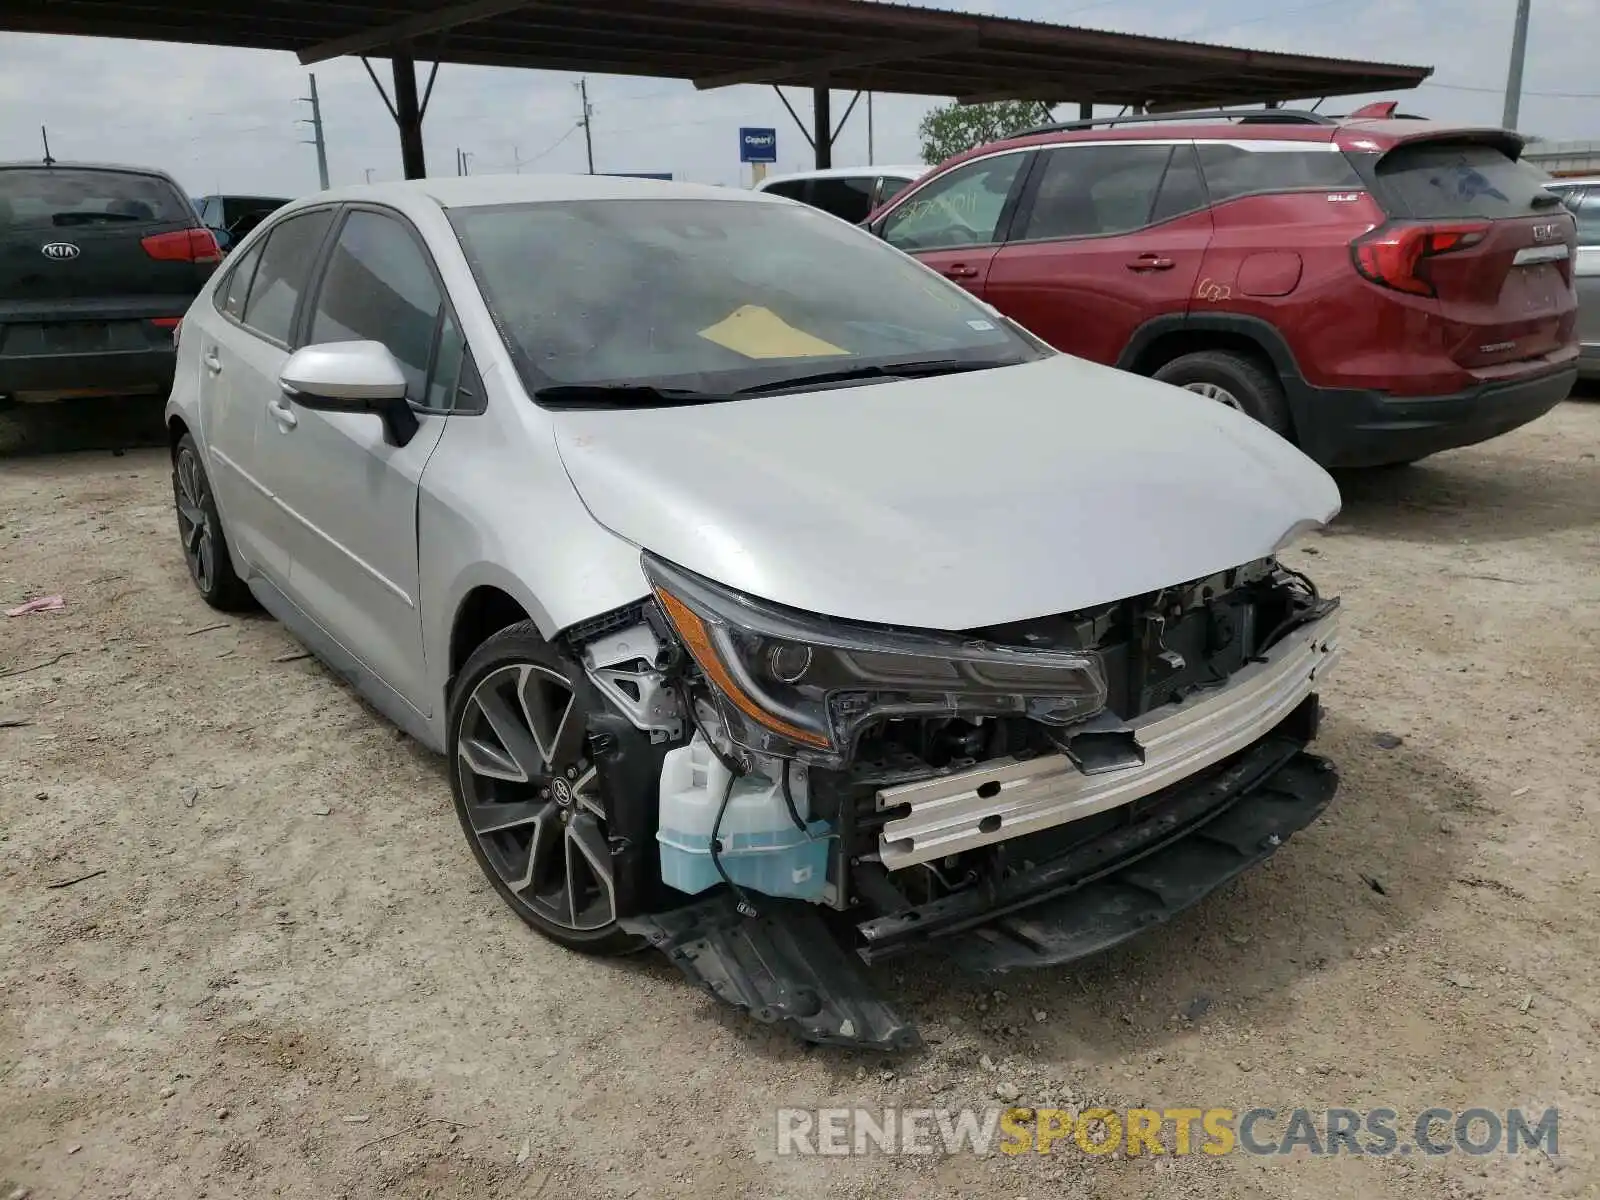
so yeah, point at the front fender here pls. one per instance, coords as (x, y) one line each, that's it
(496, 509)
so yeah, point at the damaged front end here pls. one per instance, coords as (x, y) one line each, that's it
(831, 794)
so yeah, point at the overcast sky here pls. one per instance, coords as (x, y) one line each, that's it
(224, 120)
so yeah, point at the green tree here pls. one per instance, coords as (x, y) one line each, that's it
(954, 128)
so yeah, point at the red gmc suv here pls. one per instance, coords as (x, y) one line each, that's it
(1375, 288)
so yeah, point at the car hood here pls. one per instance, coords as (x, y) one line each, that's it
(953, 502)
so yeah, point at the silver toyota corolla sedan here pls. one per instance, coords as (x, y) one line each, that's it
(774, 602)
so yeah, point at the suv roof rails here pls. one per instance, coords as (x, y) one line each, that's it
(1247, 116)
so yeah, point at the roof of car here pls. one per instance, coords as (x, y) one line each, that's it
(477, 191)
(59, 165)
(1382, 134)
(896, 171)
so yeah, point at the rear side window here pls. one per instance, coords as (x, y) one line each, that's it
(1182, 190)
(71, 197)
(848, 198)
(1254, 169)
(1443, 180)
(231, 292)
(1085, 191)
(283, 273)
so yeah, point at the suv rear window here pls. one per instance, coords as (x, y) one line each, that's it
(65, 197)
(1444, 180)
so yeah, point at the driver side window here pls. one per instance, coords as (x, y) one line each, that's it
(962, 209)
(379, 287)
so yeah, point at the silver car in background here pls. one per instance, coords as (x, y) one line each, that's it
(1582, 197)
(774, 602)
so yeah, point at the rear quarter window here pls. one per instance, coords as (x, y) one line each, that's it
(1246, 169)
(1441, 180)
(69, 197)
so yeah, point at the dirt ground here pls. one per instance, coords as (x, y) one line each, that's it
(287, 977)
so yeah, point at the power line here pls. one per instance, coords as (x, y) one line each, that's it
(1461, 87)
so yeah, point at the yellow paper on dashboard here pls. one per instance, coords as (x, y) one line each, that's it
(757, 332)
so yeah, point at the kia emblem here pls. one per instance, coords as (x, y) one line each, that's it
(59, 251)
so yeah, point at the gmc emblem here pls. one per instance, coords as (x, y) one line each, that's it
(1546, 233)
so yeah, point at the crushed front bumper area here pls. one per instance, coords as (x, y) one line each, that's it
(797, 965)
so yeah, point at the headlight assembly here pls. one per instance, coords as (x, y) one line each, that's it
(802, 686)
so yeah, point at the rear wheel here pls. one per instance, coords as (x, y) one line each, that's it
(528, 792)
(1240, 382)
(205, 548)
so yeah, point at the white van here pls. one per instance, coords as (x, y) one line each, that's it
(849, 193)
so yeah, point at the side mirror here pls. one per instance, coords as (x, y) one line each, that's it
(352, 377)
(224, 238)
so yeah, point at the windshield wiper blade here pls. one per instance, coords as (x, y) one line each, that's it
(906, 370)
(621, 395)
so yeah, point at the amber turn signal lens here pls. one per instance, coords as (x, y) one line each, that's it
(698, 639)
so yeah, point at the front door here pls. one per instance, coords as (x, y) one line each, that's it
(955, 223)
(354, 495)
(1105, 238)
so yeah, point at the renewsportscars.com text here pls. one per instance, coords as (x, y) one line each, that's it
(1264, 1132)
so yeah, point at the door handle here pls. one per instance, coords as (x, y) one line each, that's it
(213, 363)
(1151, 262)
(961, 271)
(283, 415)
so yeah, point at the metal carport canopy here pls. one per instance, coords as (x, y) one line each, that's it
(847, 44)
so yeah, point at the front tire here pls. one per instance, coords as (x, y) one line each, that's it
(205, 547)
(527, 790)
(1233, 379)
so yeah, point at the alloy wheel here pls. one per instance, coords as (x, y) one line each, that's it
(199, 543)
(1214, 391)
(532, 797)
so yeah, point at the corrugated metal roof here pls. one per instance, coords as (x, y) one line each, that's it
(847, 44)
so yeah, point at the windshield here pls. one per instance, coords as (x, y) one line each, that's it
(713, 296)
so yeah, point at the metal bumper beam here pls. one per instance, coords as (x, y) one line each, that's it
(1013, 798)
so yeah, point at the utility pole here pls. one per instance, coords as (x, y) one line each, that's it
(1519, 54)
(369, 174)
(462, 159)
(316, 129)
(44, 134)
(870, 159)
(587, 121)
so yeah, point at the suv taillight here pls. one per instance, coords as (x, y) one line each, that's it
(183, 245)
(1394, 255)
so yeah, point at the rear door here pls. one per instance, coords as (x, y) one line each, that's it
(1586, 206)
(1106, 237)
(1504, 290)
(89, 256)
(242, 354)
(955, 223)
